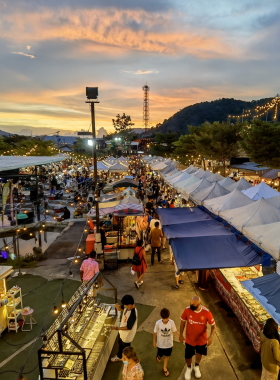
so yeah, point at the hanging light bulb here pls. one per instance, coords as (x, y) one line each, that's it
(55, 310)
(63, 304)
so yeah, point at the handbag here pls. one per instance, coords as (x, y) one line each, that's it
(136, 261)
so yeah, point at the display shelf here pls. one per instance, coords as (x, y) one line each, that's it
(12, 305)
(75, 343)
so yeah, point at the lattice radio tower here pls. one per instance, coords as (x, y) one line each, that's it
(146, 112)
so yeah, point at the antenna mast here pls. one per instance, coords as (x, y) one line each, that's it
(146, 113)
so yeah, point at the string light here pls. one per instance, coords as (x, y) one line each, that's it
(55, 310)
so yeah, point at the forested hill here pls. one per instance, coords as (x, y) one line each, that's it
(217, 110)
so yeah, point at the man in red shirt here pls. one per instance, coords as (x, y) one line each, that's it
(197, 317)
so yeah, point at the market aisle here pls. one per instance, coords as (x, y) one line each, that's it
(230, 357)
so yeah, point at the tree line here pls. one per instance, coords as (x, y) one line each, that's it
(221, 141)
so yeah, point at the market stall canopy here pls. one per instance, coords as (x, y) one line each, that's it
(200, 228)
(130, 199)
(211, 192)
(174, 175)
(195, 188)
(274, 201)
(266, 290)
(266, 237)
(12, 162)
(128, 209)
(108, 204)
(212, 252)
(126, 182)
(262, 190)
(186, 182)
(199, 173)
(129, 191)
(229, 201)
(181, 177)
(158, 166)
(271, 174)
(190, 169)
(118, 168)
(168, 216)
(170, 175)
(226, 182)
(258, 213)
(242, 184)
(108, 197)
(216, 177)
(100, 166)
(102, 211)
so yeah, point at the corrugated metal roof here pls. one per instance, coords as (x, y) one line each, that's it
(11, 162)
(271, 174)
(250, 166)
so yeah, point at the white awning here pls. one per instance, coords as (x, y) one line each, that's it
(11, 162)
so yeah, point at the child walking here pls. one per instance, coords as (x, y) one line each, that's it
(163, 338)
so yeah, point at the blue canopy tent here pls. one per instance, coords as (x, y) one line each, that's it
(266, 290)
(168, 216)
(213, 252)
(192, 229)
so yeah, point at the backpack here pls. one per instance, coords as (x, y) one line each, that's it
(136, 261)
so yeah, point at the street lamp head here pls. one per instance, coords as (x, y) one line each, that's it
(92, 92)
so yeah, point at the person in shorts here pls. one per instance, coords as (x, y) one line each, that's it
(196, 316)
(163, 338)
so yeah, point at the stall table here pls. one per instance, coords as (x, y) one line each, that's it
(251, 315)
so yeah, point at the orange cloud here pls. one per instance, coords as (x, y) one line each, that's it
(111, 27)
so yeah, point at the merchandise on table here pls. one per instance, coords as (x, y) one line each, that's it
(83, 328)
(252, 316)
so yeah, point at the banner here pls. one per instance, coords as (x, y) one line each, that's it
(5, 194)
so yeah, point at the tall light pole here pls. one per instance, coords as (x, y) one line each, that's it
(92, 95)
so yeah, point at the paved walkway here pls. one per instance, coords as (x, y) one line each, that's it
(231, 356)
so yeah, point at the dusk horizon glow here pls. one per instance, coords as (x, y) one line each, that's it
(187, 52)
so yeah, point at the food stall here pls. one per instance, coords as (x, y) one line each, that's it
(251, 315)
(5, 298)
(126, 214)
(79, 343)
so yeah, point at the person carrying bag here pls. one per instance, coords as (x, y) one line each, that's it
(139, 263)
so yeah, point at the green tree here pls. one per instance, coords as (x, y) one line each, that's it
(122, 122)
(261, 142)
(164, 143)
(218, 141)
(185, 148)
(4, 146)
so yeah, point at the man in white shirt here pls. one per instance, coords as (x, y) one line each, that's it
(128, 327)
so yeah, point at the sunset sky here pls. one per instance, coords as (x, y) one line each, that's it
(187, 51)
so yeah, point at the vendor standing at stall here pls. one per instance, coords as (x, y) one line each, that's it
(103, 235)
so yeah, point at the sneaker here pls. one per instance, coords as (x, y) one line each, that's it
(188, 373)
(141, 282)
(197, 372)
(136, 284)
(115, 359)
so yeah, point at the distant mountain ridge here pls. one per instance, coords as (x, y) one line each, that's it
(216, 110)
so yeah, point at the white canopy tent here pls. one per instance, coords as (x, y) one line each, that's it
(266, 236)
(187, 182)
(196, 187)
(158, 166)
(181, 178)
(116, 168)
(130, 199)
(229, 201)
(199, 173)
(13, 162)
(100, 166)
(190, 169)
(274, 201)
(258, 213)
(216, 177)
(226, 182)
(214, 191)
(262, 190)
(242, 184)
